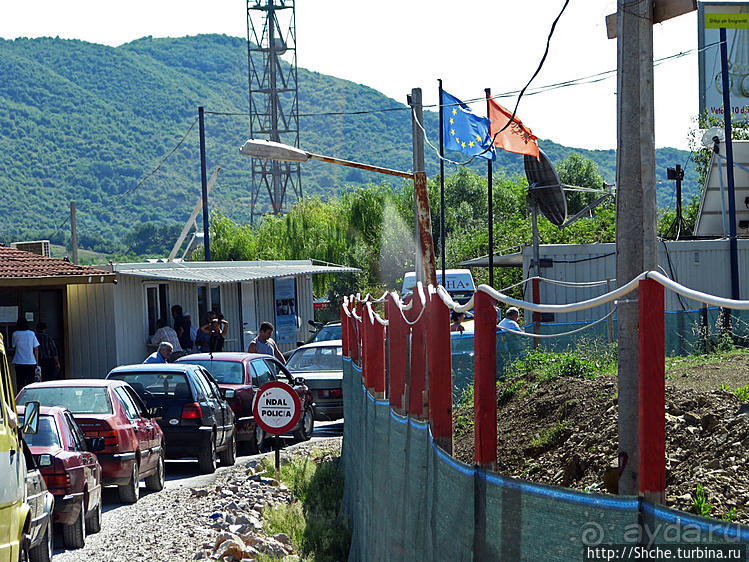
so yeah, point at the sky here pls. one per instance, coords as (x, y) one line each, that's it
(396, 45)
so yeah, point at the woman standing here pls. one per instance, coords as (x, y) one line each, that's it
(26, 357)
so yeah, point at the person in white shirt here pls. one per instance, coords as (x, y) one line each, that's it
(26, 357)
(510, 321)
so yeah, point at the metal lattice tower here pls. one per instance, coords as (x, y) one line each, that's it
(274, 97)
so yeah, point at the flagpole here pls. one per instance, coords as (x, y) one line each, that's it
(442, 182)
(491, 203)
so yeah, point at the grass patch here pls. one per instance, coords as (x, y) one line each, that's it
(315, 522)
(701, 507)
(583, 363)
(742, 393)
(549, 435)
(464, 417)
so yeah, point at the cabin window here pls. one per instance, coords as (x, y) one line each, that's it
(157, 306)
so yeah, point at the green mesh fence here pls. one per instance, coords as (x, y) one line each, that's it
(408, 500)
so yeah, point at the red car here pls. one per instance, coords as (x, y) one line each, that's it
(240, 376)
(133, 441)
(71, 471)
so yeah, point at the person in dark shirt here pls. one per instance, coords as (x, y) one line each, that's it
(182, 327)
(49, 360)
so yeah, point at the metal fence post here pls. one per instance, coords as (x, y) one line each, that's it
(652, 392)
(345, 320)
(485, 380)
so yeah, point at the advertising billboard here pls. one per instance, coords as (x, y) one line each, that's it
(734, 17)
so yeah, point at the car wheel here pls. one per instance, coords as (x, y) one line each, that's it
(93, 520)
(129, 492)
(43, 551)
(207, 461)
(306, 425)
(23, 548)
(74, 536)
(155, 482)
(229, 456)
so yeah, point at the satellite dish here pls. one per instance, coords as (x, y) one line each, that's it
(708, 137)
(545, 188)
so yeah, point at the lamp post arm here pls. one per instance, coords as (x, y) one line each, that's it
(388, 171)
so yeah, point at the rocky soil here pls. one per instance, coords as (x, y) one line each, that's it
(564, 432)
(222, 521)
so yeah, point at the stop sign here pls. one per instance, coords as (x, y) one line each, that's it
(277, 408)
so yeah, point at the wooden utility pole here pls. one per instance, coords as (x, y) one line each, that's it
(426, 268)
(73, 234)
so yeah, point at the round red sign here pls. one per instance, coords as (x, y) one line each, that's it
(277, 408)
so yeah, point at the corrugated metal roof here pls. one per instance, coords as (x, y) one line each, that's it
(226, 271)
(505, 260)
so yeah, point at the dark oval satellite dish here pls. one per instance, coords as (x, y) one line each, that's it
(545, 188)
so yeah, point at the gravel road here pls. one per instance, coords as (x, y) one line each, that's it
(183, 521)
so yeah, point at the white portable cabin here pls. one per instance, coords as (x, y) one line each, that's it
(577, 272)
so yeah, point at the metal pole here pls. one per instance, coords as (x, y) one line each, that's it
(442, 182)
(729, 167)
(490, 200)
(204, 185)
(636, 243)
(73, 234)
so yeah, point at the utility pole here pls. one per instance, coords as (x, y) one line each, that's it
(204, 187)
(73, 234)
(636, 244)
(426, 270)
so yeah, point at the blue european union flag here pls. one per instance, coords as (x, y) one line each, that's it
(464, 131)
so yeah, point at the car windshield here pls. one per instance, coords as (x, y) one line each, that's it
(227, 372)
(155, 383)
(46, 435)
(77, 399)
(328, 333)
(316, 359)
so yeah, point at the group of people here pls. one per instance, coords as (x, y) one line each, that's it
(184, 338)
(36, 356)
(509, 322)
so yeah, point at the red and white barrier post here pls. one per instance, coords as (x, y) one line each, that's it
(652, 391)
(439, 358)
(417, 405)
(485, 380)
(397, 341)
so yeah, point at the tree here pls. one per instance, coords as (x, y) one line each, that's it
(578, 171)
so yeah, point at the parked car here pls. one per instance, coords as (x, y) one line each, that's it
(239, 376)
(196, 419)
(41, 503)
(321, 365)
(71, 472)
(320, 332)
(133, 441)
(16, 484)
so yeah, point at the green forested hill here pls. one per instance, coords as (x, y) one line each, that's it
(87, 122)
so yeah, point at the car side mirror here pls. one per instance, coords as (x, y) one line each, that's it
(299, 381)
(228, 393)
(31, 418)
(95, 444)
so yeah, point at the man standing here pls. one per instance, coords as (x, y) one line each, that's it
(49, 360)
(166, 333)
(161, 355)
(510, 321)
(182, 327)
(263, 343)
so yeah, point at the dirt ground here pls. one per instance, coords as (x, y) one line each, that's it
(564, 431)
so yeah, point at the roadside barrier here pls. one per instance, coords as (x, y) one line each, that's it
(409, 499)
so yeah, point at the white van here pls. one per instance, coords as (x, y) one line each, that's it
(457, 282)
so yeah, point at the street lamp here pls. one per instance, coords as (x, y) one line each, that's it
(269, 150)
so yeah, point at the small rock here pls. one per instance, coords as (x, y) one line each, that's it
(691, 418)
